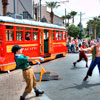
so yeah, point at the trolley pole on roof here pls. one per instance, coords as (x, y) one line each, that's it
(40, 10)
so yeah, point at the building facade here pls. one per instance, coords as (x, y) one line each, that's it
(29, 9)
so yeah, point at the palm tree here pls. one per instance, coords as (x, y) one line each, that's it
(95, 22)
(52, 5)
(63, 17)
(90, 22)
(68, 17)
(73, 13)
(4, 3)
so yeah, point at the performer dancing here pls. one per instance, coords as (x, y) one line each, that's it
(82, 54)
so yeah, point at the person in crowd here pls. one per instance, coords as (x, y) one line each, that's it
(22, 62)
(73, 46)
(76, 44)
(95, 59)
(82, 54)
(69, 46)
(89, 43)
(27, 36)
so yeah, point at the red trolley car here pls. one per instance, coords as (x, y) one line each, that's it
(46, 40)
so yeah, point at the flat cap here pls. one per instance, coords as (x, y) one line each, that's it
(15, 48)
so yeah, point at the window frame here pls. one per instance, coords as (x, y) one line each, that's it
(19, 30)
(30, 31)
(37, 33)
(10, 29)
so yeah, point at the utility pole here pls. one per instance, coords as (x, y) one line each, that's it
(40, 10)
(33, 9)
(65, 15)
(81, 24)
(14, 8)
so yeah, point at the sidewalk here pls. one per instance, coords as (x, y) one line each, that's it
(12, 86)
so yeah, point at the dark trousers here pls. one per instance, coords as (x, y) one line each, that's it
(82, 55)
(92, 66)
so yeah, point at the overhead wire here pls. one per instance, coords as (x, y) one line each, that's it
(24, 8)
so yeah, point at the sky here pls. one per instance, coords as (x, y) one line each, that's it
(89, 8)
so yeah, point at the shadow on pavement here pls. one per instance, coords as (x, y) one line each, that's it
(81, 86)
(31, 98)
(1, 72)
(77, 67)
(4, 72)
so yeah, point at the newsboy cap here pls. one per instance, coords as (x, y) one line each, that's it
(15, 48)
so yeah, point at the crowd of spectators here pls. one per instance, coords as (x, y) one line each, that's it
(73, 45)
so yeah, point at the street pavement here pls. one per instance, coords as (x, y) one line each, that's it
(70, 85)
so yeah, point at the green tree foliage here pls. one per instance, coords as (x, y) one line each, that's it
(95, 24)
(84, 32)
(68, 17)
(63, 17)
(73, 31)
(73, 13)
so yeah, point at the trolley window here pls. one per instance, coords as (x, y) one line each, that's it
(0, 35)
(46, 34)
(27, 33)
(9, 27)
(19, 33)
(57, 35)
(29, 29)
(19, 28)
(64, 35)
(35, 29)
(60, 35)
(53, 35)
(35, 34)
(9, 33)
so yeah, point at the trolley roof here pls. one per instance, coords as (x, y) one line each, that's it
(28, 22)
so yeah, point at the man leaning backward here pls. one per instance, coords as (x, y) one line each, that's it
(23, 63)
